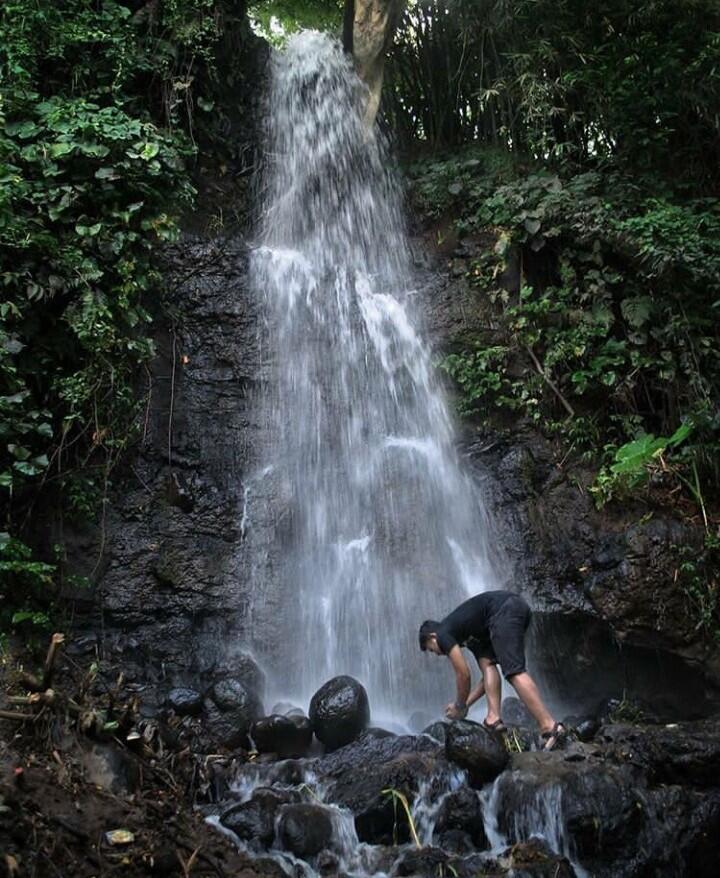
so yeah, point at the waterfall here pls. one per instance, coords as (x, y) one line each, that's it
(384, 528)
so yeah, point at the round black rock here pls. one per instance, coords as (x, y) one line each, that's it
(479, 751)
(229, 713)
(461, 811)
(339, 711)
(305, 830)
(437, 731)
(185, 702)
(587, 727)
(514, 713)
(230, 694)
(287, 736)
(254, 820)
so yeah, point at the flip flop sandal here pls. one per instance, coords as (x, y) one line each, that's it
(553, 737)
(497, 726)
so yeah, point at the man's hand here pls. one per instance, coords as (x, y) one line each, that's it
(452, 711)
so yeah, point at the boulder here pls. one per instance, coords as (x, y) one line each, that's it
(230, 711)
(535, 858)
(514, 713)
(244, 668)
(285, 708)
(286, 736)
(587, 727)
(184, 702)
(357, 777)
(676, 753)
(377, 732)
(480, 752)
(254, 821)
(454, 841)
(427, 862)
(305, 830)
(339, 711)
(437, 730)
(461, 811)
(231, 694)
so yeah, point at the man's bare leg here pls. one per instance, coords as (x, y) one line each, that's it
(491, 678)
(528, 693)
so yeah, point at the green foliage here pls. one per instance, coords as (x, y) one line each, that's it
(276, 19)
(26, 587)
(100, 105)
(635, 82)
(604, 300)
(698, 576)
(634, 463)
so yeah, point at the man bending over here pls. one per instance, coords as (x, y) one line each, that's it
(492, 625)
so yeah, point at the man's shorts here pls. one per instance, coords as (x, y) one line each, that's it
(505, 643)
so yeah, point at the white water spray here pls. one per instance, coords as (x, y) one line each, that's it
(386, 530)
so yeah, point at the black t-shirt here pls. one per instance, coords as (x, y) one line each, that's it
(470, 619)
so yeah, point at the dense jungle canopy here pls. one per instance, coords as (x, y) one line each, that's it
(580, 142)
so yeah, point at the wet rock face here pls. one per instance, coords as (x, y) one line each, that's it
(339, 711)
(679, 753)
(615, 821)
(480, 752)
(176, 576)
(598, 579)
(305, 830)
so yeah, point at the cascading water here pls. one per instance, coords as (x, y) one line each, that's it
(385, 530)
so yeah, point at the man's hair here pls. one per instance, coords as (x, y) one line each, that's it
(428, 627)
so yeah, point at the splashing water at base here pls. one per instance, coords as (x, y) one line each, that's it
(541, 815)
(385, 529)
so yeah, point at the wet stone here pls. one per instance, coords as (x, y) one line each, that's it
(339, 711)
(461, 811)
(480, 752)
(514, 713)
(254, 821)
(230, 694)
(305, 830)
(587, 727)
(428, 861)
(437, 731)
(536, 859)
(286, 736)
(454, 841)
(227, 723)
(359, 776)
(285, 708)
(185, 702)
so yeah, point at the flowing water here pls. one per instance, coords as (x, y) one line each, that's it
(384, 528)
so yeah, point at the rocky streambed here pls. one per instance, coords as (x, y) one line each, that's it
(349, 799)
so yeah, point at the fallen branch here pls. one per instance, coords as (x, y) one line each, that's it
(17, 716)
(49, 669)
(551, 384)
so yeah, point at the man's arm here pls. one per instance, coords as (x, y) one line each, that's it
(462, 674)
